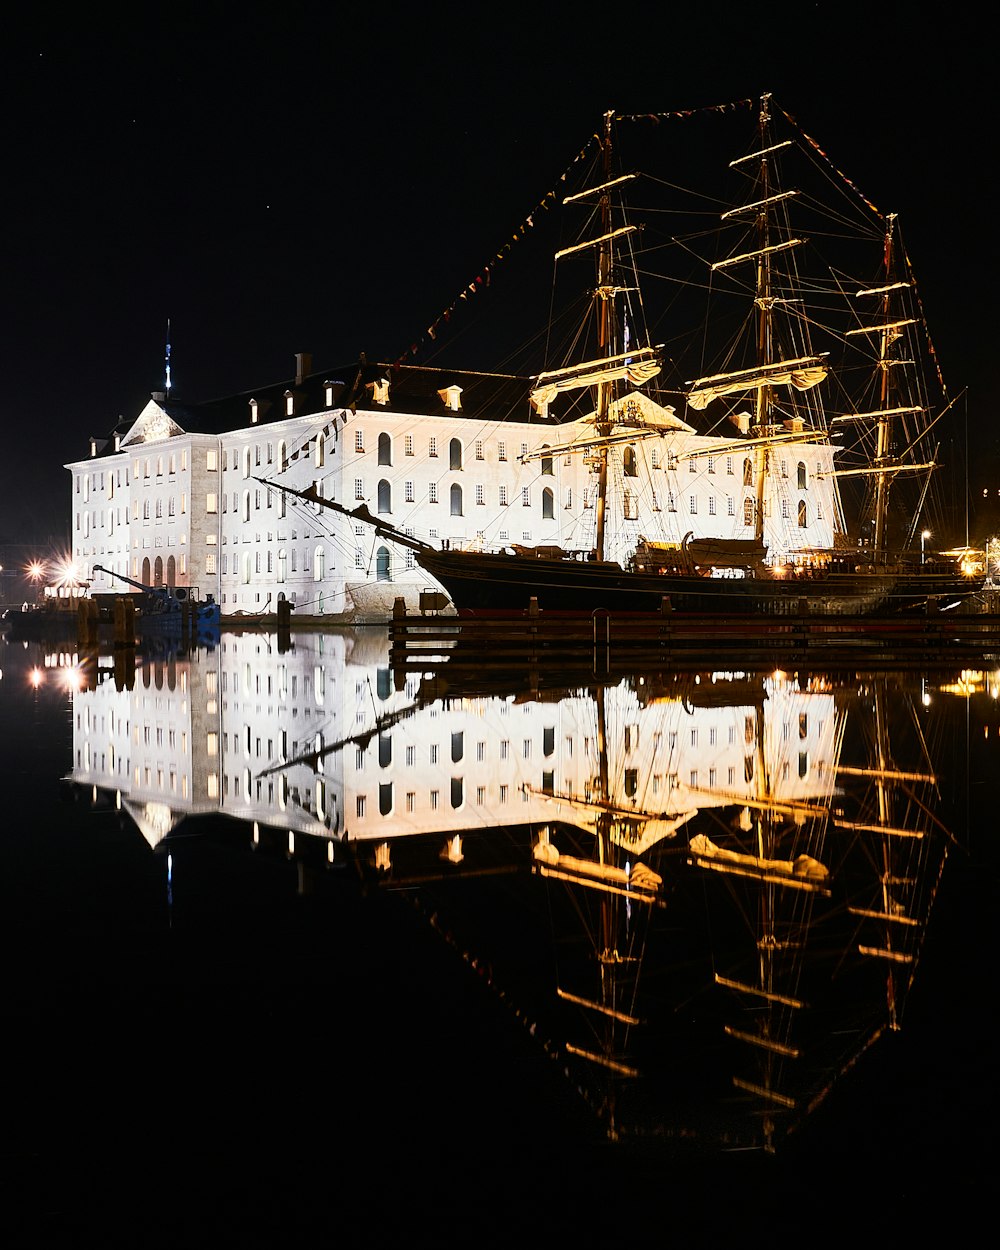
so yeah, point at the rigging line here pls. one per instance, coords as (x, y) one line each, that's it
(819, 152)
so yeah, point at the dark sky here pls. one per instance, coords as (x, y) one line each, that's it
(327, 179)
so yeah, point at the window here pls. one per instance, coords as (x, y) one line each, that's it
(480, 495)
(212, 461)
(384, 449)
(711, 505)
(748, 512)
(319, 451)
(730, 506)
(479, 449)
(729, 465)
(784, 509)
(747, 472)
(456, 500)
(408, 445)
(548, 504)
(432, 493)
(210, 562)
(408, 492)
(384, 496)
(503, 496)
(711, 464)
(432, 448)
(803, 514)
(801, 475)
(359, 488)
(631, 512)
(359, 440)
(211, 502)
(693, 505)
(455, 454)
(501, 451)
(525, 497)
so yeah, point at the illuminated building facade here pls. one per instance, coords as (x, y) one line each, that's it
(184, 497)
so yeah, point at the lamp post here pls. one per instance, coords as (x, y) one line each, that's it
(924, 535)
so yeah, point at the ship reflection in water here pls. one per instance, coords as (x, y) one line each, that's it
(704, 895)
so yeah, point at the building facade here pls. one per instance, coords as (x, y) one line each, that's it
(191, 495)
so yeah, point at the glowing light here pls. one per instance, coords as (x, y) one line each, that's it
(36, 677)
(35, 570)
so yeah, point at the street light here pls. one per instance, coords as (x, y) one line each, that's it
(924, 535)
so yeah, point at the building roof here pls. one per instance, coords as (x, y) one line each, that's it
(413, 389)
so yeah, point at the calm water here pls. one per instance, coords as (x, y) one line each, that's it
(299, 940)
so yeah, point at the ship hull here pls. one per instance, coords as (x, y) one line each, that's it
(478, 582)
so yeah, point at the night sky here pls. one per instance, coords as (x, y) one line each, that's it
(329, 179)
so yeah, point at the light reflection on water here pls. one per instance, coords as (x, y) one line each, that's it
(697, 898)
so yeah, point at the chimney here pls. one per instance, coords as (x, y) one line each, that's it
(303, 366)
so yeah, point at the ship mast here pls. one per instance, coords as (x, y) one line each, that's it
(888, 335)
(765, 344)
(603, 296)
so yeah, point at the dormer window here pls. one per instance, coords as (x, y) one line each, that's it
(93, 447)
(289, 403)
(328, 394)
(253, 412)
(451, 397)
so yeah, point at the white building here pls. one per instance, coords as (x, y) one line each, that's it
(183, 495)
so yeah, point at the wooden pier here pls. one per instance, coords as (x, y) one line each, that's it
(420, 642)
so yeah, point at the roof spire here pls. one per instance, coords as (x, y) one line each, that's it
(167, 360)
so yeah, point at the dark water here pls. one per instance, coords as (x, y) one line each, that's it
(210, 1035)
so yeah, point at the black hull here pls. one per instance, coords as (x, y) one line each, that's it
(478, 582)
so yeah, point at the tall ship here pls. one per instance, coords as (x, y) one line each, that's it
(799, 419)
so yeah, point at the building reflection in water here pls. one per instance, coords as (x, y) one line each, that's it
(705, 893)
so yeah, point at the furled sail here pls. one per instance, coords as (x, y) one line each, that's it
(637, 366)
(803, 373)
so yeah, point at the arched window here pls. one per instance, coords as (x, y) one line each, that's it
(455, 455)
(803, 514)
(384, 449)
(282, 455)
(158, 571)
(247, 568)
(246, 461)
(802, 475)
(747, 472)
(171, 570)
(748, 512)
(246, 505)
(383, 565)
(548, 504)
(146, 570)
(282, 565)
(628, 462)
(456, 500)
(319, 451)
(319, 564)
(384, 496)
